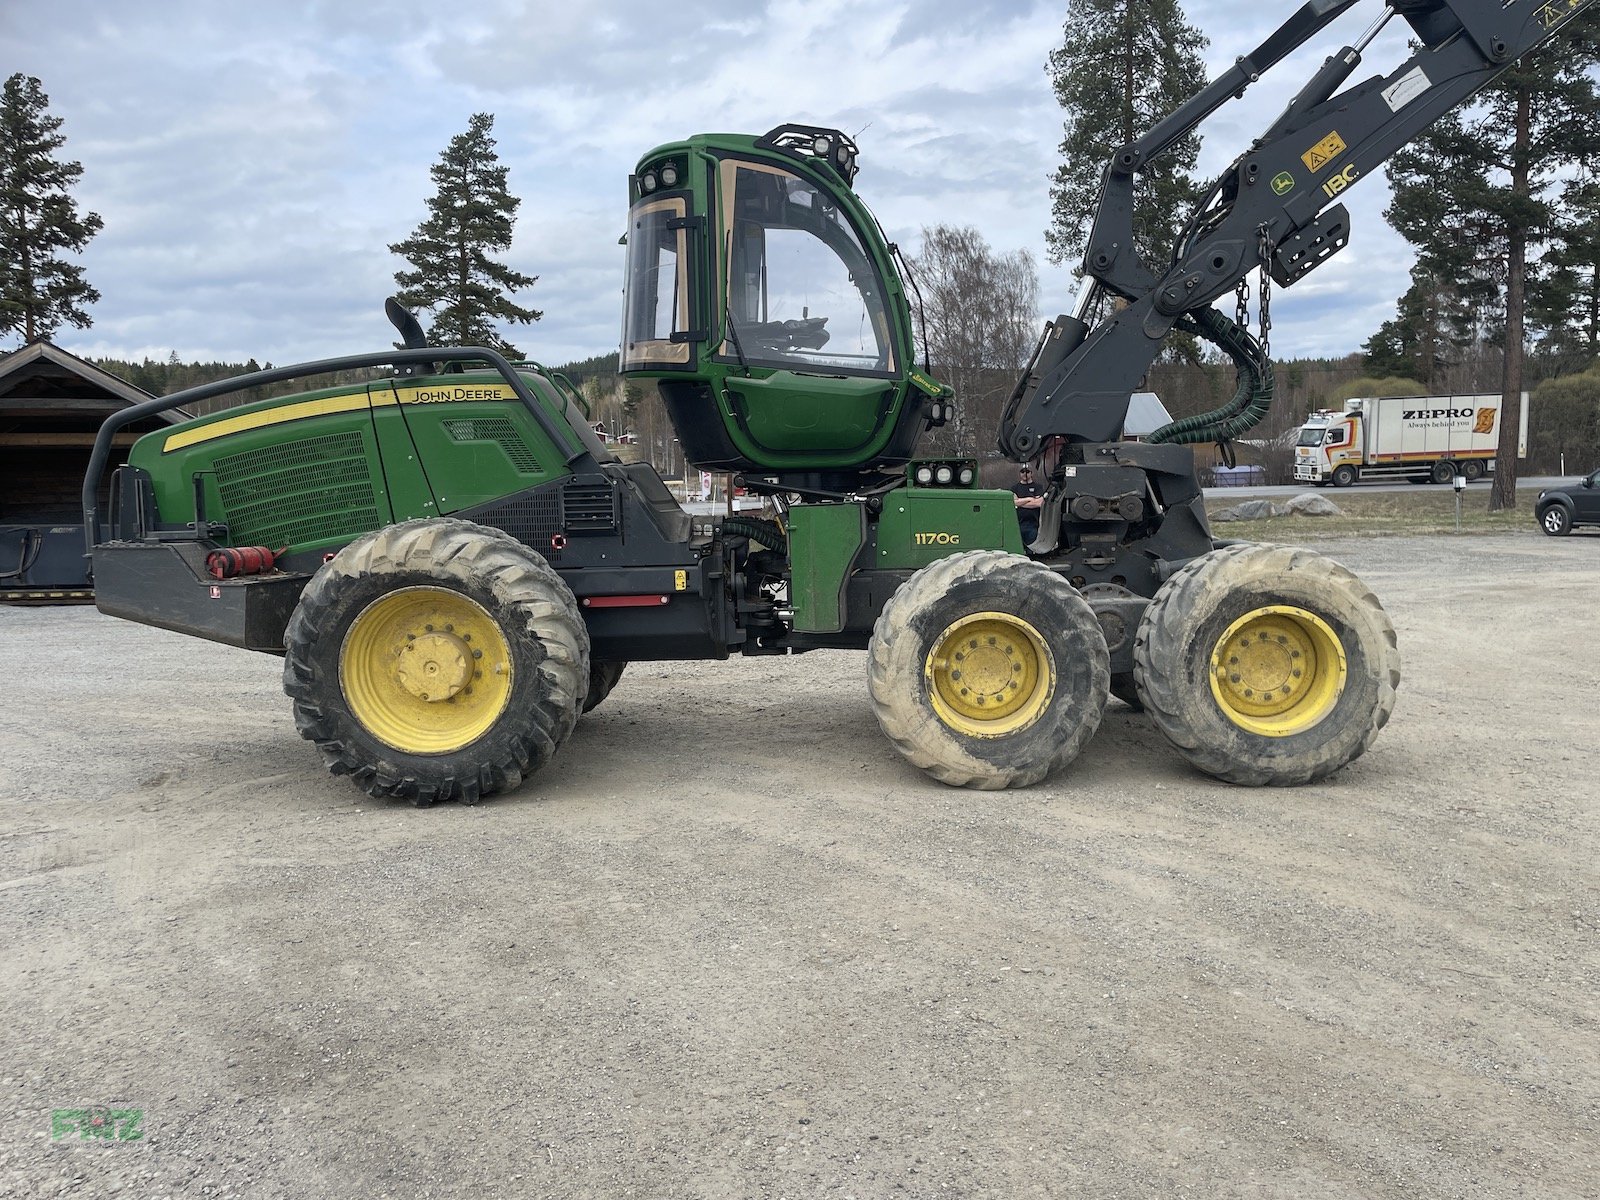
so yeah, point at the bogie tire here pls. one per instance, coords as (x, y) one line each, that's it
(1126, 689)
(1443, 472)
(603, 677)
(1019, 610)
(521, 610)
(1273, 587)
(1555, 520)
(1472, 469)
(1343, 476)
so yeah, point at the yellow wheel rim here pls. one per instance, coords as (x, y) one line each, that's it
(1278, 670)
(425, 670)
(989, 674)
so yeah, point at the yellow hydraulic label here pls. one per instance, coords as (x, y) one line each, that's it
(680, 581)
(1556, 11)
(1324, 152)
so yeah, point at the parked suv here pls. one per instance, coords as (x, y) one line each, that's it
(1560, 509)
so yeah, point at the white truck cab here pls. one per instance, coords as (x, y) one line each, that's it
(1421, 438)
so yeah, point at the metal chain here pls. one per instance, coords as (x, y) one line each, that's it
(1267, 249)
(1241, 307)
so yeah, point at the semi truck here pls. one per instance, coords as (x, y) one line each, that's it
(1426, 439)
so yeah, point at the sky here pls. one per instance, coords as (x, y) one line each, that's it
(253, 162)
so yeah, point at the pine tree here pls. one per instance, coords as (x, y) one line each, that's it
(1120, 68)
(38, 219)
(1430, 327)
(1480, 195)
(469, 218)
(1565, 301)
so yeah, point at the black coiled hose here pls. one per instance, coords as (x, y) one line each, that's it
(758, 530)
(1251, 400)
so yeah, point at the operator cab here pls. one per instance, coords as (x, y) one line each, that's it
(762, 297)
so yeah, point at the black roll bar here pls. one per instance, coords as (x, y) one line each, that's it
(552, 428)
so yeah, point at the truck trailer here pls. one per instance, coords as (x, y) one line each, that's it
(1426, 439)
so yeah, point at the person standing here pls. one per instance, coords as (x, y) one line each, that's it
(1029, 497)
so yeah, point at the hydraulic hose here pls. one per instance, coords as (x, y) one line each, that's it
(762, 532)
(1251, 400)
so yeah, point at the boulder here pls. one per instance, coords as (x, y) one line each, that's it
(1249, 510)
(1309, 504)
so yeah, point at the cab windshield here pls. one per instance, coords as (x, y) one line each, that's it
(802, 292)
(1311, 435)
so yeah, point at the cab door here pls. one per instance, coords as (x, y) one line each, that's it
(805, 314)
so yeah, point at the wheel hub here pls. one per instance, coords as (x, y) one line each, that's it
(426, 670)
(434, 666)
(1278, 670)
(989, 674)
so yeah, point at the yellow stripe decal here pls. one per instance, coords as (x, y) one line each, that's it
(382, 395)
(264, 418)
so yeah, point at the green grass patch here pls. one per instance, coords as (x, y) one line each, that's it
(1423, 509)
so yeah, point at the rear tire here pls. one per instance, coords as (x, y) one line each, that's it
(1443, 472)
(1267, 664)
(1473, 469)
(988, 670)
(436, 660)
(603, 677)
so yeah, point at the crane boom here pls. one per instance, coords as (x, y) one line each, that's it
(1275, 205)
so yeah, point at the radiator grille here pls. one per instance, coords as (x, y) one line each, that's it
(500, 431)
(312, 490)
(534, 521)
(589, 508)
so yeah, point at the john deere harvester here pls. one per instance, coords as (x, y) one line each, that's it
(454, 568)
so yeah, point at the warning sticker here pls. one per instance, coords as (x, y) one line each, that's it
(1406, 89)
(1324, 152)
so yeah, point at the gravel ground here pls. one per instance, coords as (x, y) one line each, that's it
(730, 945)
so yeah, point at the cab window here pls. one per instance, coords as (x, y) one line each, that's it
(801, 292)
(655, 303)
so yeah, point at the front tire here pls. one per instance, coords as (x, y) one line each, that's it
(1556, 521)
(436, 660)
(1267, 664)
(988, 670)
(1343, 476)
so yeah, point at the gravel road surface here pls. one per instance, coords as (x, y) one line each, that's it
(730, 945)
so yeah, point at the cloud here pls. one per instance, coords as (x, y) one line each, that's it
(253, 163)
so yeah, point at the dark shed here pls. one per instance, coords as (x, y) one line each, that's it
(51, 406)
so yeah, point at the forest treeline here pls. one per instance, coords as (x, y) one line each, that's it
(1563, 429)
